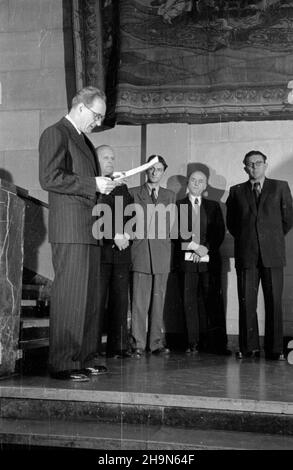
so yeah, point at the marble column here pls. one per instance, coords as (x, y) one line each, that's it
(11, 266)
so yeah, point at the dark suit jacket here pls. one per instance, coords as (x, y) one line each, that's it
(212, 233)
(68, 167)
(152, 256)
(109, 253)
(263, 228)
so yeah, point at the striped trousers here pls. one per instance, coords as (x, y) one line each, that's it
(74, 317)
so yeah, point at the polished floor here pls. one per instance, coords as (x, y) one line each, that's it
(177, 375)
(177, 401)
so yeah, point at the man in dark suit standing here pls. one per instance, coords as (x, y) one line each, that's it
(115, 261)
(69, 172)
(201, 232)
(151, 261)
(259, 215)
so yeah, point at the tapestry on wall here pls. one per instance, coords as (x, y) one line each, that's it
(190, 61)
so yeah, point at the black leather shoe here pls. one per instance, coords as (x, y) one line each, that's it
(94, 370)
(137, 353)
(249, 354)
(120, 354)
(73, 375)
(161, 351)
(275, 357)
(192, 349)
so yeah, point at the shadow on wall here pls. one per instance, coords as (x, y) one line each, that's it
(178, 183)
(6, 175)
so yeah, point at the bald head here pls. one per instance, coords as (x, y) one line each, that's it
(106, 157)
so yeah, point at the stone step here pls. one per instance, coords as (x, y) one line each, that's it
(34, 332)
(123, 436)
(34, 322)
(97, 407)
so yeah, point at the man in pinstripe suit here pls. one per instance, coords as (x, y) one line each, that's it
(69, 171)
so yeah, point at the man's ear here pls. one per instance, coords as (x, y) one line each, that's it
(246, 170)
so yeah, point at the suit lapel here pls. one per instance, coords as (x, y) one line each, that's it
(161, 197)
(144, 195)
(250, 197)
(204, 216)
(91, 152)
(193, 219)
(264, 192)
(80, 141)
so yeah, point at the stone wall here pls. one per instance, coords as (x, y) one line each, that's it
(35, 76)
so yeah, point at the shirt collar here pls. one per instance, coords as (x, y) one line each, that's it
(72, 122)
(192, 198)
(150, 188)
(261, 181)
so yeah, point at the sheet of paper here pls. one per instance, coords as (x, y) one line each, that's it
(121, 175)
(189, 257)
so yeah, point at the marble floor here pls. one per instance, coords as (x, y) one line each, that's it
(174, 377)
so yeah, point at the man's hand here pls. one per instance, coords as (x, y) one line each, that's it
(201, 250)
(119, 175)
(192, 246)
(196, 258)
(121, 241)
(105, 185)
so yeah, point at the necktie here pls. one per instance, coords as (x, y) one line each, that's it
(196, 221)
(256, 192)
(196, 205)
(153, 196)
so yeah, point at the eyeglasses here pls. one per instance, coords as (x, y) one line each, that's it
(153, 169)
(254, 164)
(97, 117)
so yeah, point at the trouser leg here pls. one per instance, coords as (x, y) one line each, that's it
(92, 324)
(217, 336)
(156, 330)
(141, 297)
(272, 284)
(117, 334)
(103, 288)
(191, 307)
(70, 303)
(248, 283)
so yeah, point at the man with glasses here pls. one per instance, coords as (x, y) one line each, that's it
(69, 171)
(259, 215)
(151, 262)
